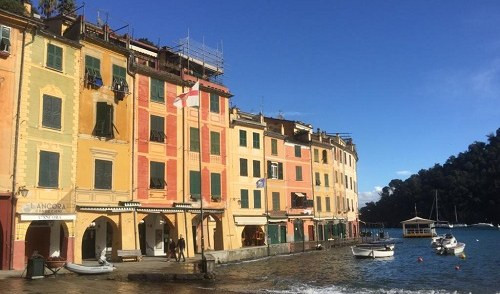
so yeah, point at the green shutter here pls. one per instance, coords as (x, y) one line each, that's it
(214, 143)
(280, 170)
(327, 181)
(298, 173)
(274, 147)
(54, 57)
(194, 139)
(297, 151)
(269, 170)
(214, 103)
(157, 90)
(51, 116)
(243, 167)
(109, 121)
(48, 175)
(273, 233)
(327, 201)
(244, 198)
(243, 138)
(256, 199)
(157, 175)
(318, 203)
(256, 140)
(215, 189)
(316, 155)
(100, 120)
(316, 179)
(256, 169)
(276, 201)
(103, 174)
(195, 184)
(157, 132)
(119, 72)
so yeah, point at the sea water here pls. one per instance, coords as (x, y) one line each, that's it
(327, 271)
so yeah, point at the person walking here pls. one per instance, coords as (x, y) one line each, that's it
(182, 245)
(171, 250)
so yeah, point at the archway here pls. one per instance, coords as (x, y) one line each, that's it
(252, 236)
(1, 246)
(154, 233)
(101, 238)
(213, 234)
(48, 238)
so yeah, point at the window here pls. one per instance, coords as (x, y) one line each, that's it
(350, 182)
(276, 201)
(256, 140)
(194, 139)
(297, 151)
(324, 157)
(318, 203)
(316, 155)
(4, 38)
(327, 201)
(104, 120)
(243, 167)
(244, 198)
(275, 170)
(256, 169)
(317, 180)
(215, 189)
(48, 171)
(352, 205)
(338, 203)
(342, 178)
(274, 147)
(54, 57)
(157, 133)
(334, 153)
(195, 184)
(298, 173)
(157, 175)
(214, 143)
(256, 199)
(243, 138)
(299, 200)
(103, 174)
(345, 157)
(214, 103)
(327, 181)
(336, 177)
(119, 79)
(51, 117)
(348, 205)
(346, 183)
(93, 71)
(349, 160)
(157, 91)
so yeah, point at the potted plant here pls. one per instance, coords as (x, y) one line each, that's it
(55, 262)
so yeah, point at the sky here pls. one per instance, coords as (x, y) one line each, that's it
(413, 82)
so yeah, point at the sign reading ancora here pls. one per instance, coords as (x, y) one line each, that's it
(44, 208)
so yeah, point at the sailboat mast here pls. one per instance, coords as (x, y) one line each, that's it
(456, 218)
(437, 210)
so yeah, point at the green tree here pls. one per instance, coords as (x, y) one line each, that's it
(13, 6)
(47, 7)
(66, 6)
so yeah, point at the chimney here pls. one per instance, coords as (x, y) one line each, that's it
(27, 6)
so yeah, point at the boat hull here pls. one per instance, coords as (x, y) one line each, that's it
(372, 252)
(89, 270)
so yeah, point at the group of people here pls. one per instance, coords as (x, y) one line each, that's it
(181, 244)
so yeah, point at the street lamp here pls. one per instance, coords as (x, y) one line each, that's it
(22, 191)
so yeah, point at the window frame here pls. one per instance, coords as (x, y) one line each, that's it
(157, 91)
(274, 196)
(243, 138)
(52, 180)
(243, 171)
(327, 180)
(257, 194)
(101, 178)
(317, 179)
(244, 201)
(5, 44)
(157, 135)
(298, 173)
(107, 121)
(256, 168)
(194, 139)
(274, 146)
(298, 151)
(194, 184)
(214, 103)
(54, 57)
(158, 182)
(214, 144)
(48, 119)
(215, 190)
(256, 140)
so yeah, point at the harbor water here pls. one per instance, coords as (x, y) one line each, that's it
(325, 271)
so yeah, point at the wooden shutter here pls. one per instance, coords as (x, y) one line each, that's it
(274, 147)
(109, 121)
(215, 189)
(214, 143)
(48, 169)
(243, 138)
(58, 57)
(51, 116)
(43, 170)
(256, 140)
(195, 184)
(256, 168)
(194, 139)
(257, 199)
(244, 198)
(280, 170)
(269, 169)
(276, 201)
(243, 167)
(101, 109)
(51, 56)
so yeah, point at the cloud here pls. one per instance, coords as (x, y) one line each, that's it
(365, 197)
(403, 172)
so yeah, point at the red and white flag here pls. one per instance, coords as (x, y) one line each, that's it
(190, 98)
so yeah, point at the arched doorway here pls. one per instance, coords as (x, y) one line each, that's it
(48, 238)
(154, 233)
(1, 246)
(101, 238)
(252, 236)
(212, 230)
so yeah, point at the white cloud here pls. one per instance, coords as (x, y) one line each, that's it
(403, 172)
(365, 197)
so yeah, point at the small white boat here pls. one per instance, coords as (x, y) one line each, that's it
(89, 270)
(483, 226)
(448, 245)
(373, 250)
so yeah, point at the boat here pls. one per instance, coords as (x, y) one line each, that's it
(483, 226)
(373, 250)
(89, 270)
(418, 227)
(438, 223)
(456, 224)
(449, 245)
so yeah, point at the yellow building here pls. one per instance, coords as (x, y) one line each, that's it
(247, 200)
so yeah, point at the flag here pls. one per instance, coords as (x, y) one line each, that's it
(261, 183)
(190, 98)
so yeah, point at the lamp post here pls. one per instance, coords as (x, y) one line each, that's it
(22, 191)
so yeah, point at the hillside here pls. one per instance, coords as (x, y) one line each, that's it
(470, 180)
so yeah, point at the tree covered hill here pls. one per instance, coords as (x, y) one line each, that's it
(469, 181)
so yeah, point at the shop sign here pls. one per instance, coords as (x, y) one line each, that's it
(45, 208)
(47, 217)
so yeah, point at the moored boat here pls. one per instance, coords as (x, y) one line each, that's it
(488, 226)
(373, 250)
(89, 270)
(448, 245)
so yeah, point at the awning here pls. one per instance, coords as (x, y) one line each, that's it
(250, 220)
(299, 194)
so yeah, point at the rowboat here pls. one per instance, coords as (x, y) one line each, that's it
(373, 250)
(89, 270)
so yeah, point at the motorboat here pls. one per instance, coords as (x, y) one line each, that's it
(436, 241)
(373, 250)
(89, 270)
(443, 225)
(483, 226)
(448, 244)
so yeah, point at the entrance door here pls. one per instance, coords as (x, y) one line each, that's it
(283, 234)
(195, 240)
(273, 233)
(310, 231)
(142, 237)
(88, 244)
(37, 238)
(298, 231)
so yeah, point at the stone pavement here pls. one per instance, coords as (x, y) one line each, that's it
(149, 266)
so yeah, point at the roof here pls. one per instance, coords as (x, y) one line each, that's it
(418, 220)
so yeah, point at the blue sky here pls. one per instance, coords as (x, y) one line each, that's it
(413, 81)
